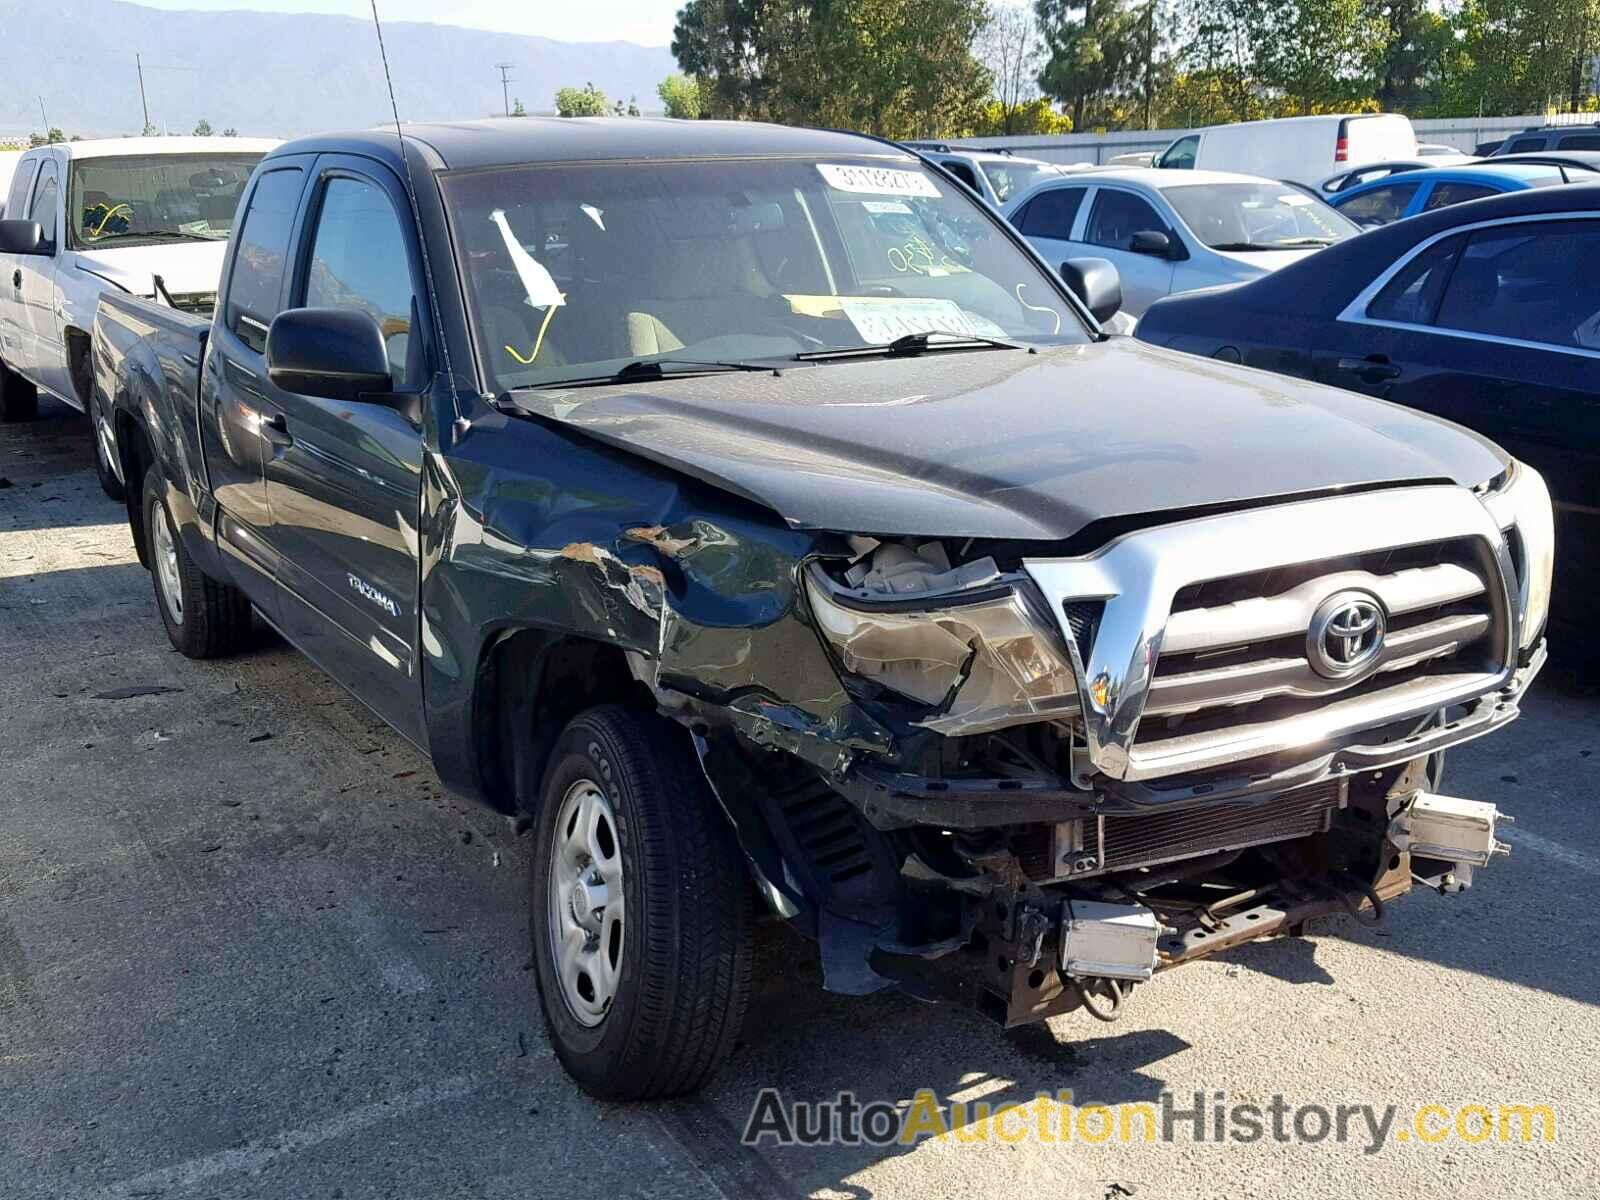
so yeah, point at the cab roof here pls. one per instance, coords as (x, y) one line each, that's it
(465, 145)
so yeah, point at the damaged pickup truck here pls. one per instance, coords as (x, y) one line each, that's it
(758, 516)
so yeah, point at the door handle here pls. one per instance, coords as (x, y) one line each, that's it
(276, 430)
(1373, 368)
(16, 278)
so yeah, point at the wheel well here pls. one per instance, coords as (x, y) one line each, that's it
(530, 684)
(133, 447)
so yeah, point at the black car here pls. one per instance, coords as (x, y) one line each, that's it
(1487, 313)
(1551, 137)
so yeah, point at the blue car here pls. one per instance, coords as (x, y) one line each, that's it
(1389, 199)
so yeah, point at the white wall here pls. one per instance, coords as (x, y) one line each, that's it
(1464, 133)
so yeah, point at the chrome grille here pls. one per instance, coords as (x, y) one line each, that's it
(1252, 649)
(1201, 656)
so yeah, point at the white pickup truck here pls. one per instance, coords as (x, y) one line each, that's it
(148, 216)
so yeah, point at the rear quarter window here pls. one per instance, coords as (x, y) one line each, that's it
(17, 199)
(256, 284)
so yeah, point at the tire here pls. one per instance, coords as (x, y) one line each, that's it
(682, 961)
(19, 399)
(109, 483)
(204, 618)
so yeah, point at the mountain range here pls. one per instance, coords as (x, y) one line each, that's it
(278, 73)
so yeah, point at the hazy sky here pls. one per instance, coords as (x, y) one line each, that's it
(648, 22)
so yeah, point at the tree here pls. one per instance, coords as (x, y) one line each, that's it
(1098, 52)
(587, 101)
(631, 109)
(516, 108)
(897, 68)
(1011, 48)
(48, 138)
(681, 97)
(230, 131)
(202, 128)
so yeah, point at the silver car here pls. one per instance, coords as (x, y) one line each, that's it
(1175, 231)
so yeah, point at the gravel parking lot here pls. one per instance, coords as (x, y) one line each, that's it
(249, 947)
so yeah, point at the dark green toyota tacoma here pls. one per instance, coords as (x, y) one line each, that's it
(753, 511)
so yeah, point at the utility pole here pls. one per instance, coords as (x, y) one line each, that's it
(44, 116)
(1149, 63)
(143, 103)
(505, 83)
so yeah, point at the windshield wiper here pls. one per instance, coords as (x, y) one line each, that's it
(915, 343)
(645, 369)
(153, 235)
(1286, 244)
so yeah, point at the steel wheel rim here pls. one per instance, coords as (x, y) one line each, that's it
(585, 903)
(166, 556)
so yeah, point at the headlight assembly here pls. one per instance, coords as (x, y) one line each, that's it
(1521, 507)
(978, 660)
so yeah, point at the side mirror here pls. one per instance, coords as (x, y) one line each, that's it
(334, 353)
(1095, 282)
(23, 237)
(1153, 242)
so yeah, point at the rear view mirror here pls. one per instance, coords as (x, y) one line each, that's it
(334, 353)
(1095, 282)
(1153, 242)
(22, 237)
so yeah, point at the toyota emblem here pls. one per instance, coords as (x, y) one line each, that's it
(1346, 635)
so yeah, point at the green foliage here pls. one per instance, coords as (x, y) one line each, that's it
(48, 138)
(917, 68)
(516, 108)
(681, 97)
(897, 68)
(230, 131)
(587, 101)
(202, 128)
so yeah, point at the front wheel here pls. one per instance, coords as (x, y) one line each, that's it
(640, 910)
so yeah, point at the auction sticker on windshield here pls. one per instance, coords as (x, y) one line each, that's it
(878, 181)
(880, 321)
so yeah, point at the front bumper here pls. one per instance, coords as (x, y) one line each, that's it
(893, 799)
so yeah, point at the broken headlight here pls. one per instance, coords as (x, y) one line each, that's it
(1521, 507)
(977, 657)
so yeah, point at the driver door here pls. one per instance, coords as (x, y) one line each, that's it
(344, 478)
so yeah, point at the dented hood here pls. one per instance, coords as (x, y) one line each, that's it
(1005, 444)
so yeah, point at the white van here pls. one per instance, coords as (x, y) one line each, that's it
(1302, 149)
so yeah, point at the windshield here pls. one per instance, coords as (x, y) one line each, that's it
(575, 271)
(1257, 216)
(1010, 179)
(155, 198)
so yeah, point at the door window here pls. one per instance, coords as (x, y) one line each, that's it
(263, 247)
(1117, 216)
(1181, 153)
(1381, 205)
(1524, 145)
(1446, 194)
(962, 172)
(1413, 294)
(1051, 214)
(1580, 141)
(44, 203)
(1532, 281)
(359, 260)
(16, 202)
